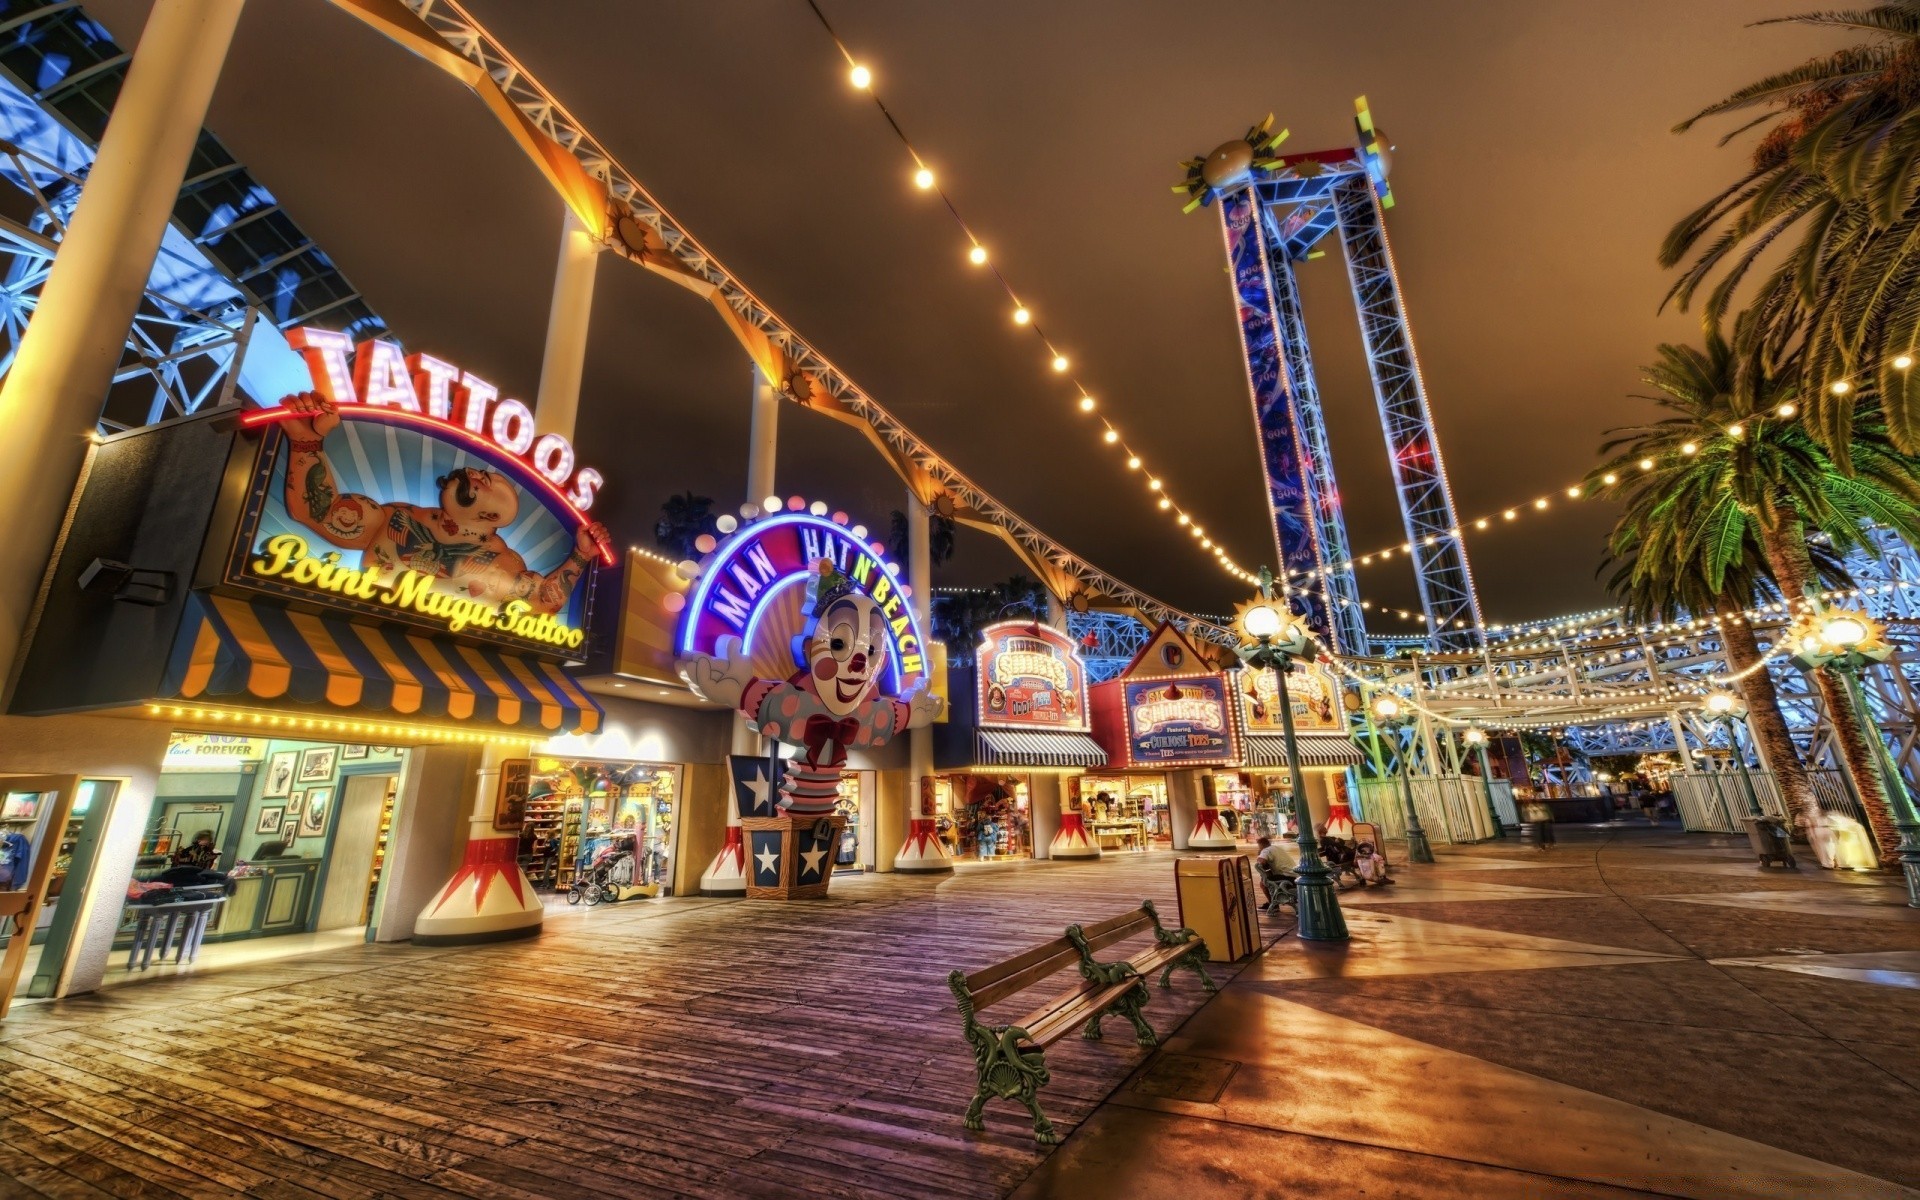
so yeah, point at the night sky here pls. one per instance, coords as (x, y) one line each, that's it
(1534, 174)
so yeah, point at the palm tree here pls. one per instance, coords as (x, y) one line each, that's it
(939, 538)
(959, 616)
(1708, 483)
(684, 518)
(1655, 588)
(1838, 168)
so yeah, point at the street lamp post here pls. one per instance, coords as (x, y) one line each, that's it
(1272, 638)
(1842, 642)
(1727, 709)
(1477, 738)
(1389, 712)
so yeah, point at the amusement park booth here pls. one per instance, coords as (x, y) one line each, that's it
(337, 613)
(743, 607)
(1263, 785)
(1017, 738)
(1167, 722)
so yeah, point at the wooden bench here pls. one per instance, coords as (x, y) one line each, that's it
(1010, 1060)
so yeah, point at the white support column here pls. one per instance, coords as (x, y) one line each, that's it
(1679, 728)
(763, 439)
(489, 899)
(557, 408)
(922, 850)
(66, 359)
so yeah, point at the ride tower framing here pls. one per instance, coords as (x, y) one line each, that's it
(1274, 211)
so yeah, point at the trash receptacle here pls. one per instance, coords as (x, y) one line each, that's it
(1538, 834)
(1217, 902)
(1768, 837)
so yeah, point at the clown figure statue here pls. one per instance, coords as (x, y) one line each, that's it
(829, 704)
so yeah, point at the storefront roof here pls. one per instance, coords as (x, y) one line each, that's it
(237, 648)
(1036, 748)
(1316, 750)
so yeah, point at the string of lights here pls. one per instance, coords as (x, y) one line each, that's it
(861, 77)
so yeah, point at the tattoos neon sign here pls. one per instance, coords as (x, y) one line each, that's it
(379, 374)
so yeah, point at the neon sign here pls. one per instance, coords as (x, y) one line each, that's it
(1029, 676)
(1179, 722)
(379, 374)
(385, 512)
(750, 588)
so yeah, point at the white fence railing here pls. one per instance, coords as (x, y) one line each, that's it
(1452, 808)
(1714, 801)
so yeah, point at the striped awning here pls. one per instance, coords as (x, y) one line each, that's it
(1036, 748)
(1316, 750)
(230, 648)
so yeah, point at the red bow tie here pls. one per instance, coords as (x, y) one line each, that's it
(827, 739)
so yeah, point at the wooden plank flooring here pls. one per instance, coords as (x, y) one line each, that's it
(672, 1048)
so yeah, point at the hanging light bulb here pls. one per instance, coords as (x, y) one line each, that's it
(1059, 362)
(1086, 404)
(1021, 316)
(860, 77)
(923, 179)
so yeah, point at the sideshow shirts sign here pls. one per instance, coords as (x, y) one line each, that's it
(1176, 722)
(1030, 677)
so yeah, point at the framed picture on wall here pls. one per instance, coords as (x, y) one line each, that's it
(510, 802)
(271, 820)
(280, 771)
(353, 752)
(316, 763)
(313, 819)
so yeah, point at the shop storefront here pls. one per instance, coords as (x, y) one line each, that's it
(1167, 722)
(1263, 789)
(330, 609)
(745, 608)
(1010, 753)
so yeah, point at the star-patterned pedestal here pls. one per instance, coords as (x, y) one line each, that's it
(790, 858)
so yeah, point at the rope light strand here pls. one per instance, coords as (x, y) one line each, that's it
(925, 179)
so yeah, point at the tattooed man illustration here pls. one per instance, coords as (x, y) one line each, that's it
(459, 541)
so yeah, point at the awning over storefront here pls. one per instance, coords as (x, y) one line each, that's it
(1316, 750)
(1036, 748)
(230, 648)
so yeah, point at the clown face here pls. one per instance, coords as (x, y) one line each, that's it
(846, 653)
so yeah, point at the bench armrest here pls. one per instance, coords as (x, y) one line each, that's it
(1170, 937)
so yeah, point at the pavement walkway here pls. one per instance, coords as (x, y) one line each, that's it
(1632, 1012)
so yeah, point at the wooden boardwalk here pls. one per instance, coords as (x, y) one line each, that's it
(673, 1048)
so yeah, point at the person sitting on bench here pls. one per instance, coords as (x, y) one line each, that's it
(1275, 867)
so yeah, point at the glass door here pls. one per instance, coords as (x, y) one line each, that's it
(34, 811)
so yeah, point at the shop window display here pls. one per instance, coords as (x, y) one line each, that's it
(1126, 812)
(587, 817)
(995, 820)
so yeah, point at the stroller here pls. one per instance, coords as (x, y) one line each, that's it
(608, 876)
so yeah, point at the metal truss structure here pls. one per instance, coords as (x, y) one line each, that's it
(641, 229)
(1108, 642)
(1299, 203)
(232, 270)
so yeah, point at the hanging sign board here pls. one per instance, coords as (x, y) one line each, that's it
(1179, 722)
(1312, 689)
(1029, 676)
(377, 494)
